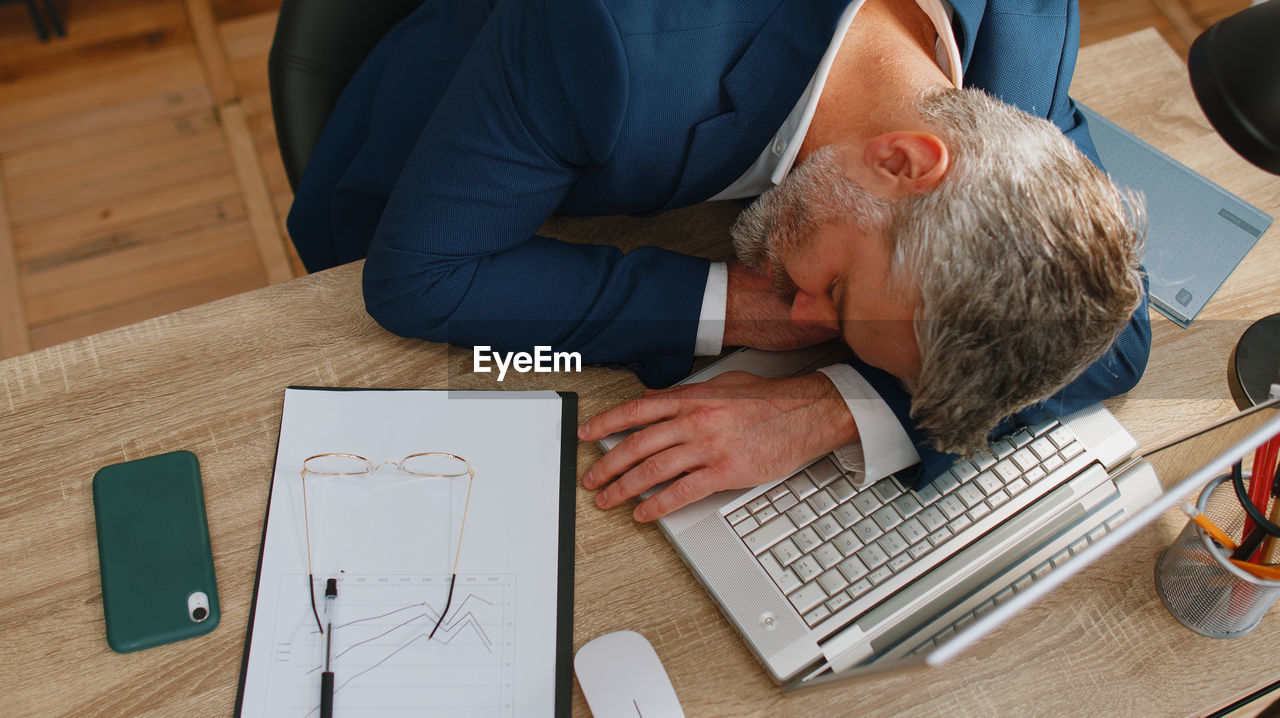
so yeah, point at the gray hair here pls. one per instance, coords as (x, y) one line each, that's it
(1024, 261)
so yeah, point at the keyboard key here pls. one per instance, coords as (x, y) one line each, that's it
(886, 517)
(827, 526)
(807, 568)
(1060, 558)
(841, 489)
(951, 506)
(988, 482)
(983, 460)
(766, 513)
(1070, 450)
(852, 568)
(1039, 571)
(880, 575)
(946, 483)
(998, 498)
(815, 616)
(786, 552)
(828, 555)
(872, 555)
(847, 543)
(1043, 448)
(912, 530)
(823, 471)
(977, 512)
(919, 550)
(806, 539)
(1114, 521)
(1053, 462)
(866, 530)
(1023, 582)
(800, 485)
(846, 515)
(1024, 459)
(1061, 436)
(866, 502)
(1081, 544)
(832, 582)
(1035, 474)
(1017, 486)
(932, 518)
(907, 505)
(808, 596)
(746, 526)
(1001, 448)
(939, 537)
(971, 495)
(801, 514)
(821, 502)
(784, 577)
(839, 602)
(1021, 438)
(769, 534)
(960, 523)
(899, 562)
(886, 489)
(739, 514)
(758, 503)
(1006, 471)
(777, 492)
(1040, 427)
(859, 588)
(892, 543)
(927, 495)
(787, 501)
(963, 471)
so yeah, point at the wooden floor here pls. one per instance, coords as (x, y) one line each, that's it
(139, 172)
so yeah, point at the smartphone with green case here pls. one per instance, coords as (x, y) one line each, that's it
(153, 551)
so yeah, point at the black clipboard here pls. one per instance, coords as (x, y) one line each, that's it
(567, 507)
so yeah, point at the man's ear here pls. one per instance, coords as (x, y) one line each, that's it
(906, 163)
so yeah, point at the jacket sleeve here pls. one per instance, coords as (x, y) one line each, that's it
(540, 96)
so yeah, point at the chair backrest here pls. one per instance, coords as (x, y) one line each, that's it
(318, 46)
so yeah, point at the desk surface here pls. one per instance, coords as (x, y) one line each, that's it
(211, 380)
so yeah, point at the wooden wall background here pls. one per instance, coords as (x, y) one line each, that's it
(139, 172)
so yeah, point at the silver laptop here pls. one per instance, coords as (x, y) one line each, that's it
(827, 580)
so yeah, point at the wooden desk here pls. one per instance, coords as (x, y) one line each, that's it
(211, 380)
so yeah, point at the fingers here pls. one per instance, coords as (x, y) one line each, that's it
(631, 451)
(682, 492)
(627, 415)
(653, 470)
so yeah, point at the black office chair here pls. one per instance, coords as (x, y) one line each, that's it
(318, 46)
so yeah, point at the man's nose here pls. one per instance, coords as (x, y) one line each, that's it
(811, 310)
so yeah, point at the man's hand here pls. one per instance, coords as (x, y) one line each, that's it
(735, 431)
(756, 317)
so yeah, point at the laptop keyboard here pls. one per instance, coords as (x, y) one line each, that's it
(829, 546)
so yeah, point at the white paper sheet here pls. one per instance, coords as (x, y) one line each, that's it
(390, 540)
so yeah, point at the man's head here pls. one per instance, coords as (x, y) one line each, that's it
(978, 256)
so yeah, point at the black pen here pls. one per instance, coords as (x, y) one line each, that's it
(326, 678)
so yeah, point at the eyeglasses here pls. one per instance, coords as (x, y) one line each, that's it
(425, 465)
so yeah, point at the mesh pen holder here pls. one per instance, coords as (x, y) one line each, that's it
(1199, 586)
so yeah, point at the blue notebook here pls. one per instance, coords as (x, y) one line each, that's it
(1197, 232)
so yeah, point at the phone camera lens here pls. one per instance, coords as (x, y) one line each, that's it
(199, 614)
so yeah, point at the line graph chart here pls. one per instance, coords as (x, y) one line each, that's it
(383, 661)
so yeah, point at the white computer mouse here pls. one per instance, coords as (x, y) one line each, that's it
(622, 677)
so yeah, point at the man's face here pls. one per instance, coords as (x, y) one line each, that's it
(813, 235)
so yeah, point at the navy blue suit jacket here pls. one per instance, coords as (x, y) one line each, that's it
(473, 122)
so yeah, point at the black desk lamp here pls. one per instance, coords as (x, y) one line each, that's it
(1235, 73)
